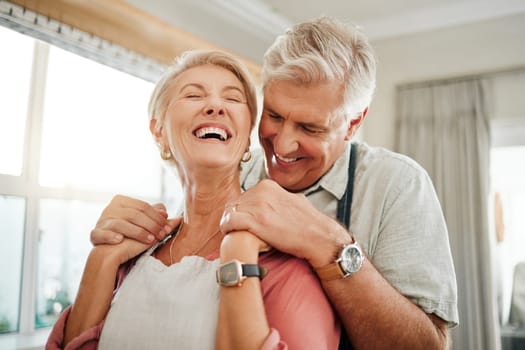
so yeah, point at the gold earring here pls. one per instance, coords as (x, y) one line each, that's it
(165, 153)
(246, 156)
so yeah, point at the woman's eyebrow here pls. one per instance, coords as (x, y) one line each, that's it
(196, 85)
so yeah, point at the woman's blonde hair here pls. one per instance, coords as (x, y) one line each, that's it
(160, 97)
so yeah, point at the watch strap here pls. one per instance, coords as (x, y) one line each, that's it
(330, 272)
(254, 270)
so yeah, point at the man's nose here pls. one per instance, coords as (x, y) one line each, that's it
(286, 141)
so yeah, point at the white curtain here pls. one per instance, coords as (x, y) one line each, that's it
(445, 127)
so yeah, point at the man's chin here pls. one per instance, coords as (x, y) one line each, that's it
(283, 179)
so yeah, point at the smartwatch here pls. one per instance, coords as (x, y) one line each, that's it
(233, 273)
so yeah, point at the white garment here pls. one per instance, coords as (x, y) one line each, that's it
(161, 307)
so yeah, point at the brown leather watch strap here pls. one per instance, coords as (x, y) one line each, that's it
(330, 272)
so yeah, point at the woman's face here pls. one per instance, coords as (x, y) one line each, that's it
(207, 122)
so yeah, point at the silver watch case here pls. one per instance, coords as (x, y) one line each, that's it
(350, 259)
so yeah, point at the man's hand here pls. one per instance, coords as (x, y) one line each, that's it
(127, 217)
(286, 221)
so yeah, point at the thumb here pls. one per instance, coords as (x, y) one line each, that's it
(174, 222)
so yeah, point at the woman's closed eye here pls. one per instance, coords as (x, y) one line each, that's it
(234, 97)
(193, 95)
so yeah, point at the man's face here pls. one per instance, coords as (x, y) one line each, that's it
(302, 131)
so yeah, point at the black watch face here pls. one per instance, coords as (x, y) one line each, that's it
(229, 274)
(351, 259)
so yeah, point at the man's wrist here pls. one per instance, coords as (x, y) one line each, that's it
(327, 249)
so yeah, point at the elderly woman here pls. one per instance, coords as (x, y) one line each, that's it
(197, 289)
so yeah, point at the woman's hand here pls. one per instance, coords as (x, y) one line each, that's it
(127, 217)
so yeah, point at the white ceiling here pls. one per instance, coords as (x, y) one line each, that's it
(248, 27)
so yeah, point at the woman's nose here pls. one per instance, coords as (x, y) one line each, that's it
(214, 106)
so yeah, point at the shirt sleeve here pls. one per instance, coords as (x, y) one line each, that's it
(298, 311)
(413, 250)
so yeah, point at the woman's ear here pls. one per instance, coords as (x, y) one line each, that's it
(155, 129)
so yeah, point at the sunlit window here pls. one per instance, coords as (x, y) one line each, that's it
(12, 217)
(95, 129)
(73, 133)
(508, 184)
(15, 73)
(63, 248)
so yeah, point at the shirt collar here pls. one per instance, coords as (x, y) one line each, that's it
(334, 181)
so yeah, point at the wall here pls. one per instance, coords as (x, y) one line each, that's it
(471, 49)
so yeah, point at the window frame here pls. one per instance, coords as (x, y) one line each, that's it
(26, 186)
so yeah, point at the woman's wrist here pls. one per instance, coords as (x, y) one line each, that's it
(106, 255)
(242, 246)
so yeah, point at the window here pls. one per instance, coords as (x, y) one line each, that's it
(507, 176)
(11, 235)
(73, 133)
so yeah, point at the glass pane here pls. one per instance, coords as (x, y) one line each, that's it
(63, 248)
(96, 129)
(508, 183)
(15, 73)
(12, 215)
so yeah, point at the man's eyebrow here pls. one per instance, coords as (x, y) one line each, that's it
(271, 111)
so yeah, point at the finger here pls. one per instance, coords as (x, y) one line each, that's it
(151, 221)
(118, 227)
(152, 212)
(234, 219)
(155, 212)
(173, 223)
(161, 209)
(99, 236)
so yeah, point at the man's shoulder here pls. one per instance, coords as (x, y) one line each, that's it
(252, 171)
(383, 161)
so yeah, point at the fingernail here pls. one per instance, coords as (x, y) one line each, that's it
(150, 238)
(167, 229)
(118, 237)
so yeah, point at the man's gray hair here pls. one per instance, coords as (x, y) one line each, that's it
(325, 50)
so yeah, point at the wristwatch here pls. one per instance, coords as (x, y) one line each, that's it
(233, 273)
(347, 263)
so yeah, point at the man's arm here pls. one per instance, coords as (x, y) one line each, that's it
(375, 315)
(127, 217)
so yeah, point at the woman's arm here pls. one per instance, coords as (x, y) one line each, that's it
(242, 322)
(96, 286)
(289, 308)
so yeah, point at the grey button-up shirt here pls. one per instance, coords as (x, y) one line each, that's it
(397, 219)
